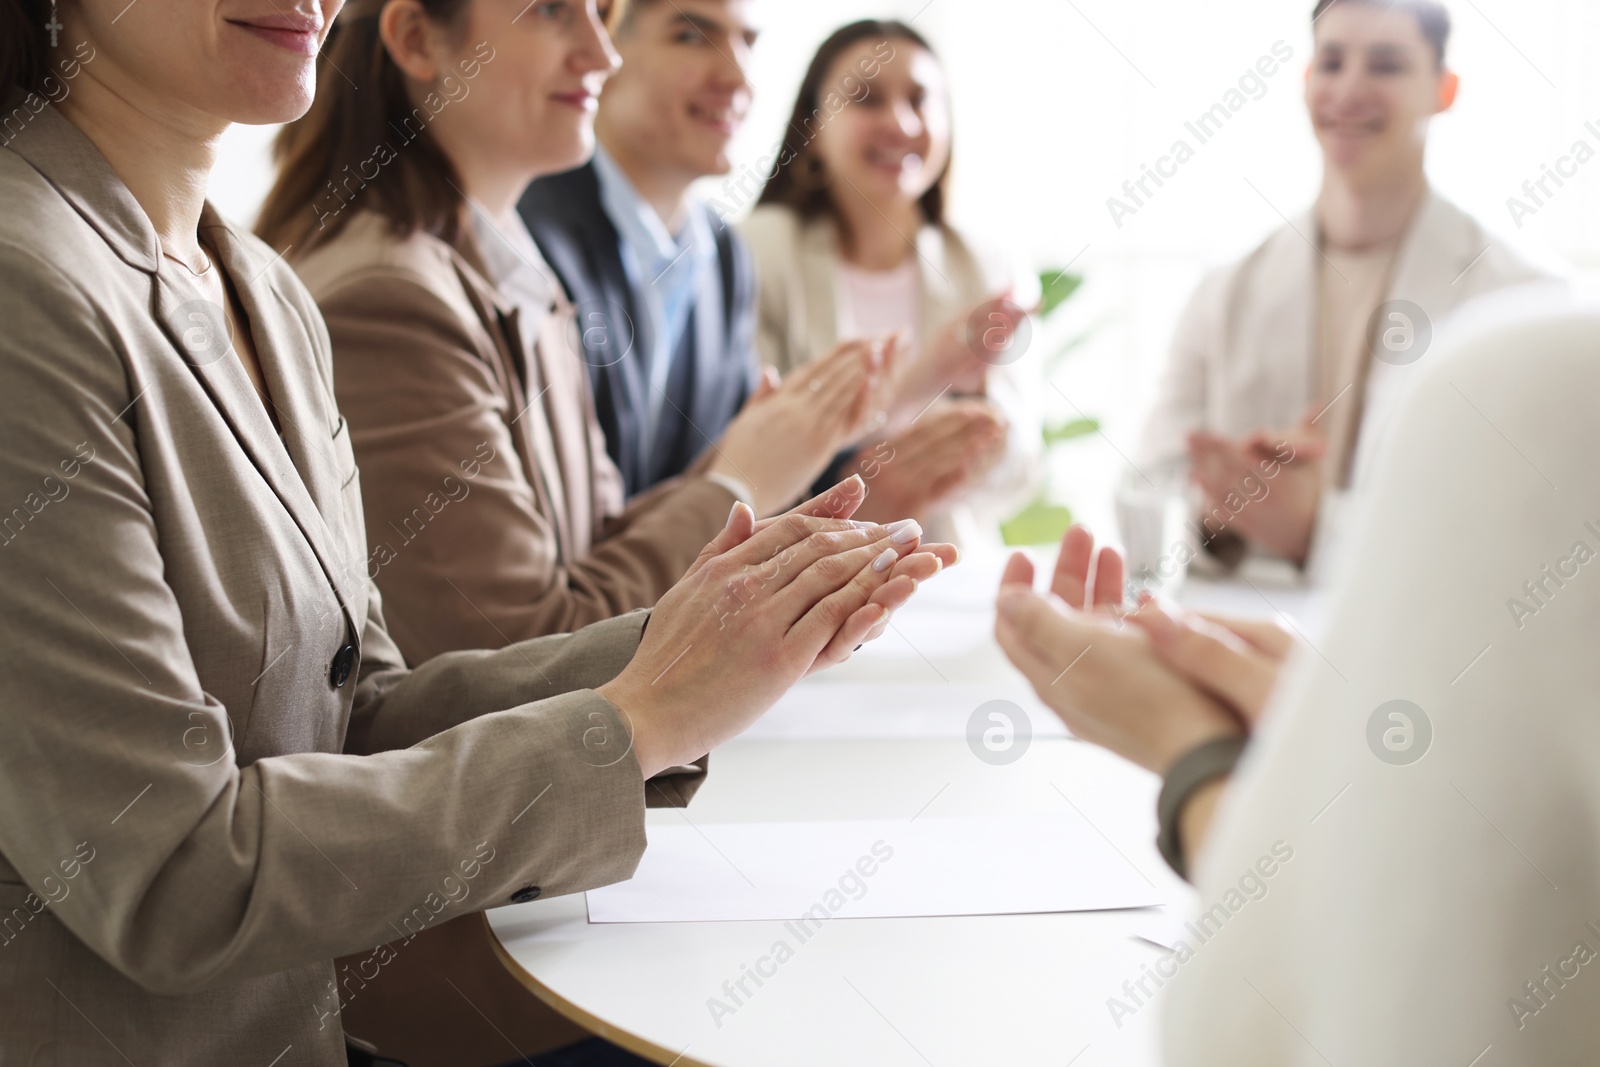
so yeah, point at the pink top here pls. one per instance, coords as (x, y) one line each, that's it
(874, 303)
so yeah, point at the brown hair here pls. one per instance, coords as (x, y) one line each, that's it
(24, 54)
(363, 137)
(1431, 16)
(344, 148)
(798, 181)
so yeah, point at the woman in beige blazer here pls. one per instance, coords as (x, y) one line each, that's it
(454, 342)
(217, 773)
(850, 240)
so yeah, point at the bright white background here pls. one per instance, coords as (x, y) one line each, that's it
(1058, 102)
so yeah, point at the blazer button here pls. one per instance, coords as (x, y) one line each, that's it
(343, 661)
(525, 894)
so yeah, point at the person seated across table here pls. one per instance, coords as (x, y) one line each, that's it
(1289, 360)
(851, 240)
(664, 288)
(1398, 870)
(496, 513)
(217, 772)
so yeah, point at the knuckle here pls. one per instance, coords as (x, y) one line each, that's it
(796, 526)
(833, 569)
(823, 542)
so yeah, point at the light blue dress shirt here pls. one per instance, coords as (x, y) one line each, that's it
(666, 272)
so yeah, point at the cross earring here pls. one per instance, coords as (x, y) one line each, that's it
(54, 26)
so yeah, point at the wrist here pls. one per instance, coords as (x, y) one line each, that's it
(642, 739)
(736, 486)
(1194, 818)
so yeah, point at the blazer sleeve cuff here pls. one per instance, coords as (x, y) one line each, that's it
(676, 786)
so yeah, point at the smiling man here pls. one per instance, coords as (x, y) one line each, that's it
(1286, 363)
(664, 290)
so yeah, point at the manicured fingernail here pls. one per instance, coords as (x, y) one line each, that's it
(885, 560)
(904, 532)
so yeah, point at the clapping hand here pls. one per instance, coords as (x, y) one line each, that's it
(1105, 678)
(791, 428)
(952, 445)
(958, 359)
(1277, 477)
(760, 609)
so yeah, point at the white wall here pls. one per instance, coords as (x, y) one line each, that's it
(1058, 102)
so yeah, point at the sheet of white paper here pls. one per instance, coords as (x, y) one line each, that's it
(1164, 929)
(822, 709)
(873, 869)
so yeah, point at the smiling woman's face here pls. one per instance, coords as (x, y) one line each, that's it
(892, 143)
(249, 61)
(530, 109)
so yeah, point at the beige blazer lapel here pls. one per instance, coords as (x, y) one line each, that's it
(530, 427)
(1437, 251)
(1433, 257)
(198, 331)
(1274, 329)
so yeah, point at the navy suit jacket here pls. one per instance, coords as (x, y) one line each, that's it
(713, 369)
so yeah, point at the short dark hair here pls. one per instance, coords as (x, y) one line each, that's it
(1432, 17)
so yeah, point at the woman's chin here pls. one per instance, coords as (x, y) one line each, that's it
(557, 155)
(270, 100)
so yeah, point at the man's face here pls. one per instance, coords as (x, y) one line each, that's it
(1373, 85)
(682, 92)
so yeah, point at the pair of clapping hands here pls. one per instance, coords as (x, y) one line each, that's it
(917, 448)
(790, 430)
(1151, 683)
(765, 604)
(1288, 464)
(941, 433)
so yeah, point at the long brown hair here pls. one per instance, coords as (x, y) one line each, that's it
(364, 140)
(798, 181)
(362, 143)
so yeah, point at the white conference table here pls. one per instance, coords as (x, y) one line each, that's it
(884, 737)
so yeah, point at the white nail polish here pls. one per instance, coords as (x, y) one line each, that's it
(904, 532)
(885, 560)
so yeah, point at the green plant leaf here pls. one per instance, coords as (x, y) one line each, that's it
(1056, 287)
(1066, 431)
(1040, 523)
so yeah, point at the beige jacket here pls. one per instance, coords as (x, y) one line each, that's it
(797, 279)
(1244, 354)
(216, 775)
(494, 512)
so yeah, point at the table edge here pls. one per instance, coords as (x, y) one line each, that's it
(572, 1013)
